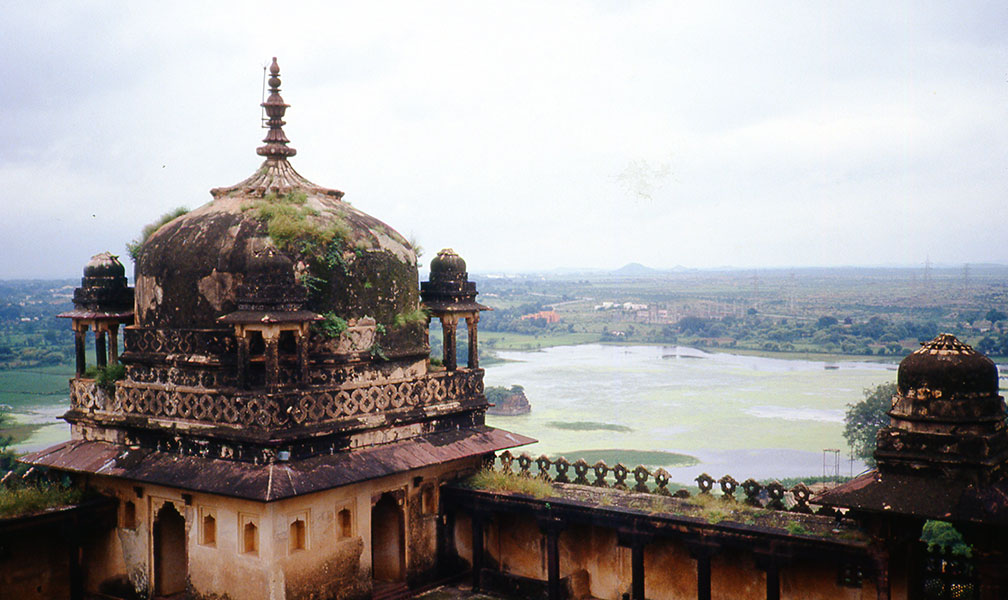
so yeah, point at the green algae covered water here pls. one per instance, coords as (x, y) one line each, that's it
(686, 410)
(675, 407)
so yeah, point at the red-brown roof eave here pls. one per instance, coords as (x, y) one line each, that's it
(921, 495)
(275, 481)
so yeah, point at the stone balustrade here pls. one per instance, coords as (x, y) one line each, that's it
(772, 495)
(261, 410)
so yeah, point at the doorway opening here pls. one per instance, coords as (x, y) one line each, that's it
(388, 540)
(170, 561)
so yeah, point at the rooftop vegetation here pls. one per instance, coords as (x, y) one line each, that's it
(105, 377)
(134, 247)
(497, 481)
(32, 498)
(20, 498)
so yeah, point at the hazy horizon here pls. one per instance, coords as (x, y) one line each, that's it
(527, 137)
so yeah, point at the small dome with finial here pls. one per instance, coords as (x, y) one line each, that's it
(946, 414)
(447, 263)
(104, 264)
(104, 287)
(277, 241)
(946, 367)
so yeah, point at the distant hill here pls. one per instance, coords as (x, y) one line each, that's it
(634, 270)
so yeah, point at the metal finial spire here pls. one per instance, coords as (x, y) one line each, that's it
(276, 142)
(275, 175)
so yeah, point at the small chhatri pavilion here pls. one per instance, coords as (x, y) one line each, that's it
(280, 431)
(944, 456)
(102, 303)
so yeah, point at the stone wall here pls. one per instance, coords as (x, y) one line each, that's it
(595, 550)
(327, 556)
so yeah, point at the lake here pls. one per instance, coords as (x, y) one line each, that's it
(745, 416)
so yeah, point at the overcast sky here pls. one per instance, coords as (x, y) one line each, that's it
(524, 135)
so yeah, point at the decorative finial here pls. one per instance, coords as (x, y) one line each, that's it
(275, 175)
(276, 142)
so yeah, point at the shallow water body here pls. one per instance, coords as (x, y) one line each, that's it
(747, 416)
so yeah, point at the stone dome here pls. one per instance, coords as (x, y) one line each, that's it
(266, 234)
(447, 264)
(947, 378)
(104, 264)
(104, 287)
(947, 415)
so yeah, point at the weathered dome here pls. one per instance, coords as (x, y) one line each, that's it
(447, 264)
(274, 230)
(104, 287)
(944, 454)
(946, 414)
(947, 375)
(104, 264)
(449, 288)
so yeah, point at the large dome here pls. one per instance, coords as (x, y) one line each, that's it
(283, 230)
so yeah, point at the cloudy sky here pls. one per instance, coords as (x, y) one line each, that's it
(524, 135)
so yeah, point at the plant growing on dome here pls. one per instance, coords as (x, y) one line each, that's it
(331, 325)
(417, 315)
(133, 248)
(292, 229)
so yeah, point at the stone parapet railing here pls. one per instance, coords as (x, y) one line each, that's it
(183, 342)
(772, 495)
(261, 410)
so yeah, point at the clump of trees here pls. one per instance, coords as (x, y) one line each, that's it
(496, 394)
(864, 419)
(877, 335)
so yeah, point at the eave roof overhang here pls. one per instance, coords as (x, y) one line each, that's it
(274, 481)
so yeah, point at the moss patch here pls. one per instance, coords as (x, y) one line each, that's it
(496, 481)
(133, 248)
(417, 315)
(289, 225)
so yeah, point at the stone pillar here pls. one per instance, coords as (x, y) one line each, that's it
(880, 560)
(990, 556)
(702, 553)
(473, 346)
(101, 353)
(243, 358)
(992, 575)
(637, 570)
(80, 339)
(772, 569)
(636, 541)
(113, 350)
(916, 555)
(271, 339)
(551, 528)
(71, 533)
(302, 355)
(448, 325)
(477, 549)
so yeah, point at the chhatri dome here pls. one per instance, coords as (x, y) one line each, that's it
(273, 324)
(273, 427)
(293, 234)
